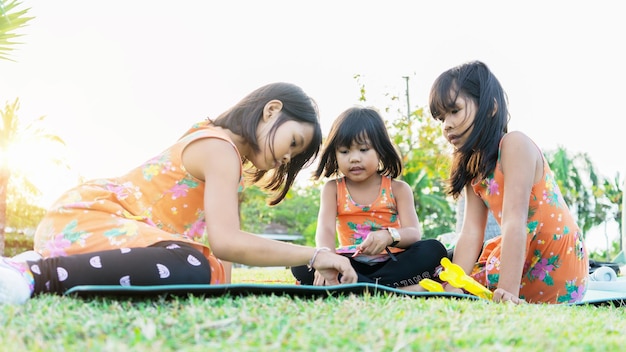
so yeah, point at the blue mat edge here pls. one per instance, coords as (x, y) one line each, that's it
(244, 289)
(247, 289)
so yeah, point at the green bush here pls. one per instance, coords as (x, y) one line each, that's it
(15, 243)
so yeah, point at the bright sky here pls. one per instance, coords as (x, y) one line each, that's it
(121, 80)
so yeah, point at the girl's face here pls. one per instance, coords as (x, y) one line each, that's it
(291, 139)
(457, 123)
(359, 161)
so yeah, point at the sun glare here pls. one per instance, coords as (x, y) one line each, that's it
(20, 158)
(35, 162)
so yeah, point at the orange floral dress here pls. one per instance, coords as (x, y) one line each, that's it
(157, 201)
(557, 263)
(356, 221)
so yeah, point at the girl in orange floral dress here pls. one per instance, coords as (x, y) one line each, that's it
(170, 219)
(540, 257)
(368, 210)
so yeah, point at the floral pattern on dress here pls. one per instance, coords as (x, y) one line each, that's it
(182, 187)
(356, 221)
(543, 267)
(157, 165)
(556, 265)
(154, 202)
(575, 293)
(360, 231)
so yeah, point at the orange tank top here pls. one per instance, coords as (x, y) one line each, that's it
(355, 221)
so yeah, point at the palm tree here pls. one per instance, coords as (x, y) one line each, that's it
(612, 205)
(578, 181)
(13, 136)
(10, 21)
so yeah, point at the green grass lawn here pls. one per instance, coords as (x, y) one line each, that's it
(272, 323)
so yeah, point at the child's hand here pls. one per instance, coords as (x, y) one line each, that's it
(319, 279)
(329, 265)
(502, 295)
(375, 243)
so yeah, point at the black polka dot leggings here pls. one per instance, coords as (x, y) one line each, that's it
(164, 263)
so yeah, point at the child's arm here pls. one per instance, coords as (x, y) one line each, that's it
(470, 241)
(325, 234)
(217, 163)
(411, 229)
(522, 166)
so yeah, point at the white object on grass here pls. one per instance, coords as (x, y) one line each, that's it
(603, 273)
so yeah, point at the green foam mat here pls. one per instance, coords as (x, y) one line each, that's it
(593, 297)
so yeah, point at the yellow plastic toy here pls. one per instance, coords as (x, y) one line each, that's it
(456, 277)
(431, 285)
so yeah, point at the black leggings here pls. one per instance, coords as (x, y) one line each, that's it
(419, 261)
(164, 263)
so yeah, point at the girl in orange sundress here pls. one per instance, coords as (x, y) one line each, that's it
(540, 257)
(170, 219)
(370, 212)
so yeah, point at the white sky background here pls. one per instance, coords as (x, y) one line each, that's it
(121, 80)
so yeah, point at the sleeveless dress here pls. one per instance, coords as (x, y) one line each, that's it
(157, 201)
(356, 221)
(557, 263)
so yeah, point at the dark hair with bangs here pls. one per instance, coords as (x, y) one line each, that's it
(357, 124)
(478, 156)
(244, 117)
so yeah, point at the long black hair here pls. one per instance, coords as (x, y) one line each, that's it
(476, 158)
(244, 117)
